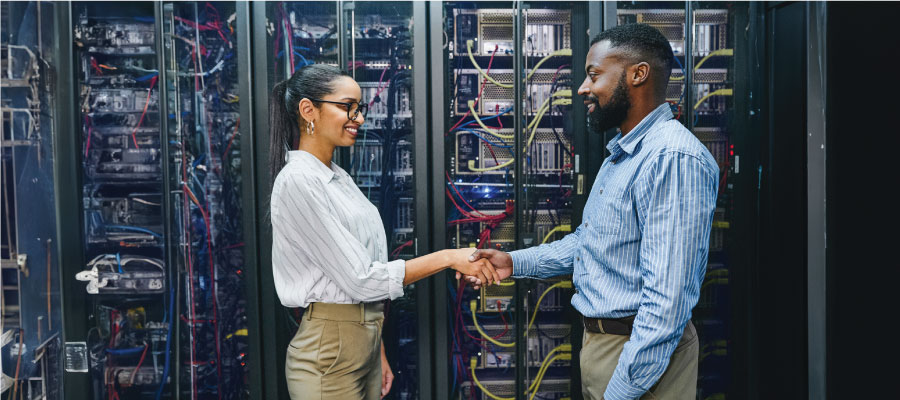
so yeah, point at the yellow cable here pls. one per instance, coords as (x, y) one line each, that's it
(561, 284)
(560, 102)
(540, 375)
(561, 228)
(474, 306)
(720, 52)
(718, 281)
(558, 93)
(471, 105)
(474, 361)
(565, 347)
(510, 283)
(717, 273)
(560, 52)
(564, 101)
(473, 168)
(475, 64)
(720, 92)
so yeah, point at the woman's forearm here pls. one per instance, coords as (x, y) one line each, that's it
(425, 266)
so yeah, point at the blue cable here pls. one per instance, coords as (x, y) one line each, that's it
(474, 132)
(134, 228)
(122, 352)
(490, 118)
(169, 313)
(305, 62)
(147, 77)
(119, 261)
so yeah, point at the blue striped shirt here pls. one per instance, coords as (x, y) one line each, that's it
(642, 246)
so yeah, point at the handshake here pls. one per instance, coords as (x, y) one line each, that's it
(481, 266)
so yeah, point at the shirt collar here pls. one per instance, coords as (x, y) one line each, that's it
(313, 165)
(628, 143)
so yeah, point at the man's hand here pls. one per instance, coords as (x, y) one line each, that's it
(387, 377)
(464, 264)
(500, 260)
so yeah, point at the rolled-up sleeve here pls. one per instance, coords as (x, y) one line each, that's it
(676, 199)
(304, 220)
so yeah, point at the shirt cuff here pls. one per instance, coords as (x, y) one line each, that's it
(396, 272)
(525, 262)
(621, 388)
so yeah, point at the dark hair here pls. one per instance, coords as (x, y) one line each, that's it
(643, 43)
(313, 81)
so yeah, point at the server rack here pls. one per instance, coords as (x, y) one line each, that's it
(170, 280)
(509, 172)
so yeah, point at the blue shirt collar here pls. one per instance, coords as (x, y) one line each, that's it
(628, 143)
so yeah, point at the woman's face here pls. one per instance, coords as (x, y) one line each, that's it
(332, 124)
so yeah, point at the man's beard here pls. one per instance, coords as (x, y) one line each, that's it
(611, 114)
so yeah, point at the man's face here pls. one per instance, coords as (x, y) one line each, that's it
(605, 88)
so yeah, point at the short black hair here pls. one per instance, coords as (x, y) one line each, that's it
(644, 43)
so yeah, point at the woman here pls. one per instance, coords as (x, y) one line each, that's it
(329, 251)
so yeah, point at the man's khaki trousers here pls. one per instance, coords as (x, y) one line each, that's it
(336, 353)
(600, 354)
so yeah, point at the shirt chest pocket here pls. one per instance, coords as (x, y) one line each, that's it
(610, 207)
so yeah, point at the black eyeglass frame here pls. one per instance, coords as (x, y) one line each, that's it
(361, 108)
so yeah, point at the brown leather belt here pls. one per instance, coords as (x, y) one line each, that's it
(618, 326)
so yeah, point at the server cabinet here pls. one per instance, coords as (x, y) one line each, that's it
(510, 177)
(205, 56)
(32, 319)
(388, 164)
(162, 309)
(711, 93)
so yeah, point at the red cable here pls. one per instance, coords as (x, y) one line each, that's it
(379, 86)
(483, 84)
(397, 250)
(138, 367)
(236, 126)
(456, 190)
(89, 134)
(146, 105)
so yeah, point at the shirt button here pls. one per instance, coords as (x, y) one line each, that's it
(601, 191)
(577, 258)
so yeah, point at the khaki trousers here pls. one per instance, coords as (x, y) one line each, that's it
(600, 354)
(336, 353)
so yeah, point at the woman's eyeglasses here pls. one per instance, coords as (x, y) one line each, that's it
(354, 108)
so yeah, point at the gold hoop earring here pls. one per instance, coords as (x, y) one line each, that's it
(310, 128)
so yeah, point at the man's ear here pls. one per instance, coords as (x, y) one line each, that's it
(307, 110)
(639, 74)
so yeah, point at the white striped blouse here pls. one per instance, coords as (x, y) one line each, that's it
(328, 241)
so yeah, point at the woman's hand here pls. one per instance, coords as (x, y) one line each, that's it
(387, 377)
(480, 269)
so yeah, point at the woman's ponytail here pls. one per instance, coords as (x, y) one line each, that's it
(283, 127)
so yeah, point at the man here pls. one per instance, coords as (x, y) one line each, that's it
(639, 256)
